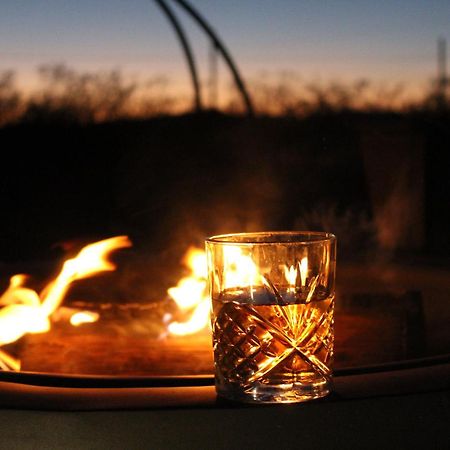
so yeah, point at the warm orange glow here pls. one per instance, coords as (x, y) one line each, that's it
(195, 259)
(25, 311)
(82, 317)
(191, 294)
(198, 320)
(292, 273)
(8, 362)
(303, 270)
(239, 269)
(188, 292)
(22, 313)
(91, 260)
(291, 277)
(311, 284)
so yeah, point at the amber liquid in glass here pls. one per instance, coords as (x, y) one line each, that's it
(276, 352)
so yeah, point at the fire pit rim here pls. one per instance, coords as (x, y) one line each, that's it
(111, 381)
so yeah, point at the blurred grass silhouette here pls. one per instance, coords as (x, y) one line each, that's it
(68, 95)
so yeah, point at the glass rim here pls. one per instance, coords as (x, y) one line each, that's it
(273, 238)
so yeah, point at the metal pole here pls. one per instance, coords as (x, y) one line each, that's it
(187, 51)
(222, 49)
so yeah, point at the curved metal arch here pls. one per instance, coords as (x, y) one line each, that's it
(186, 49)
(223, 50)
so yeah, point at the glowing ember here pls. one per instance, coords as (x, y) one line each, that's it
(24, 311)
(82, 317)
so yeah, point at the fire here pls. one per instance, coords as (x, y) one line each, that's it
(239, 269)
(198, 320)
(303, 266)
(190, 294)
(8, 362)
(190, 290)
(90, 261)
(291, 277)
(25, 311)
(81, 317)
(292, 273)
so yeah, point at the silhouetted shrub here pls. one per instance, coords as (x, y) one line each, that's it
(10, 99)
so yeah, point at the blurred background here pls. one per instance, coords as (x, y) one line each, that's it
(332, 115)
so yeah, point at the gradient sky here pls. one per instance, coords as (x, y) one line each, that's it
(385, 40)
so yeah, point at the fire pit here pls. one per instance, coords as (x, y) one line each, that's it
(38, 333)
(127, 356)
(150, 354)
(171, 337)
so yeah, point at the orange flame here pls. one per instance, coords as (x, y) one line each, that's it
(292, 273)
(239, 269)
(291, 277)
(81, 317)
(24, 311)
(303, 266)
(190, 294)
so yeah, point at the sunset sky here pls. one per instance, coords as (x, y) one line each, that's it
(385, 41)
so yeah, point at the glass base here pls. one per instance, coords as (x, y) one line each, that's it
(280, 393)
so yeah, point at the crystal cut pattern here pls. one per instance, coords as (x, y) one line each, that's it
(273, 344)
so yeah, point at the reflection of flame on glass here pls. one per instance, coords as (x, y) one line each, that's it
(82, 317)
(25, 311)
(191, 295)
(292, 273)
(303, 265)
(291, 277)
(239, 269)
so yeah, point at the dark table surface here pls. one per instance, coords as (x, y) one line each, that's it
(394, 396)
(407, 408)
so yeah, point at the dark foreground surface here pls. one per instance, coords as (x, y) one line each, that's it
(390, 422)
(407, 408)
